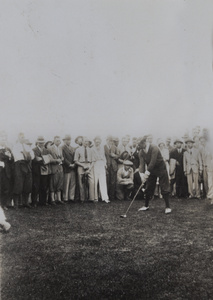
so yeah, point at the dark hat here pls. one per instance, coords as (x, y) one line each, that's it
(48, 142)
(115, 139)
(40, 139)
(143, 140)
(189, 141)
(124, 155)
(127, 163)
(160, 141)
(67, 137)
(178, 141)
(78, 137)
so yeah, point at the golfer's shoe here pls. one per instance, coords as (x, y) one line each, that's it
(106, 201)
(144, 208)
(211, 202)
(6, 226)
(168, 210)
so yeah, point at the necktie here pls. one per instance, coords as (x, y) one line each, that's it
(85, 154)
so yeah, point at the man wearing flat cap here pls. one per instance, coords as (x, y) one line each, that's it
(125, 177)
(176, 169)
(69, 170)
(151, 157)
(39, 174)
(192, 166)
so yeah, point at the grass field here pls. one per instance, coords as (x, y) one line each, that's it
(86, 251)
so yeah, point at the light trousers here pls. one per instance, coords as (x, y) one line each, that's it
(210, 185)
(193, 178)
(69, 185)
(100, 177)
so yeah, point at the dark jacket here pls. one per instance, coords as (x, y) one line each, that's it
(68, 154)
(55, 166)
(154, 161)
(36, 165)
(9, 163)
(111, 162)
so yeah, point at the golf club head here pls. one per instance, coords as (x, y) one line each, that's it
(122, 216)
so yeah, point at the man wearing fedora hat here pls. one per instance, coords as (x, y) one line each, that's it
(125, 177)
(192, 166)
(179, 178)
(151, 157)
(69, 170)
(39, 173)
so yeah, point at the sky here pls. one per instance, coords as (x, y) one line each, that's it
(99, 67)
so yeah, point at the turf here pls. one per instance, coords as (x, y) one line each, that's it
(86, 251)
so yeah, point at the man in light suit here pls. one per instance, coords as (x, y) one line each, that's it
(112, 155)
(192, 166)
(69, 170)
(56, 177)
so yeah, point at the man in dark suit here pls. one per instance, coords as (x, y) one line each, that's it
(180, 179)
(6, 172)
(151, 157)
(23, 156)
(112, 155)
(69, 170)
(39, 174)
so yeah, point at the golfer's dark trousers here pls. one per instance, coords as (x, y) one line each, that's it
(39, 188)
(111, 183)
(164, 185)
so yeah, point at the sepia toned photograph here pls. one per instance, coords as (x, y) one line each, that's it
(106, 149)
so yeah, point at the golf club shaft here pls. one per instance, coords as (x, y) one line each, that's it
(140, 187)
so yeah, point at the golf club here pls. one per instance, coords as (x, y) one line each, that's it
(140, 187)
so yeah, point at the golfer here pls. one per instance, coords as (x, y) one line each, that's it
(151, 157)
